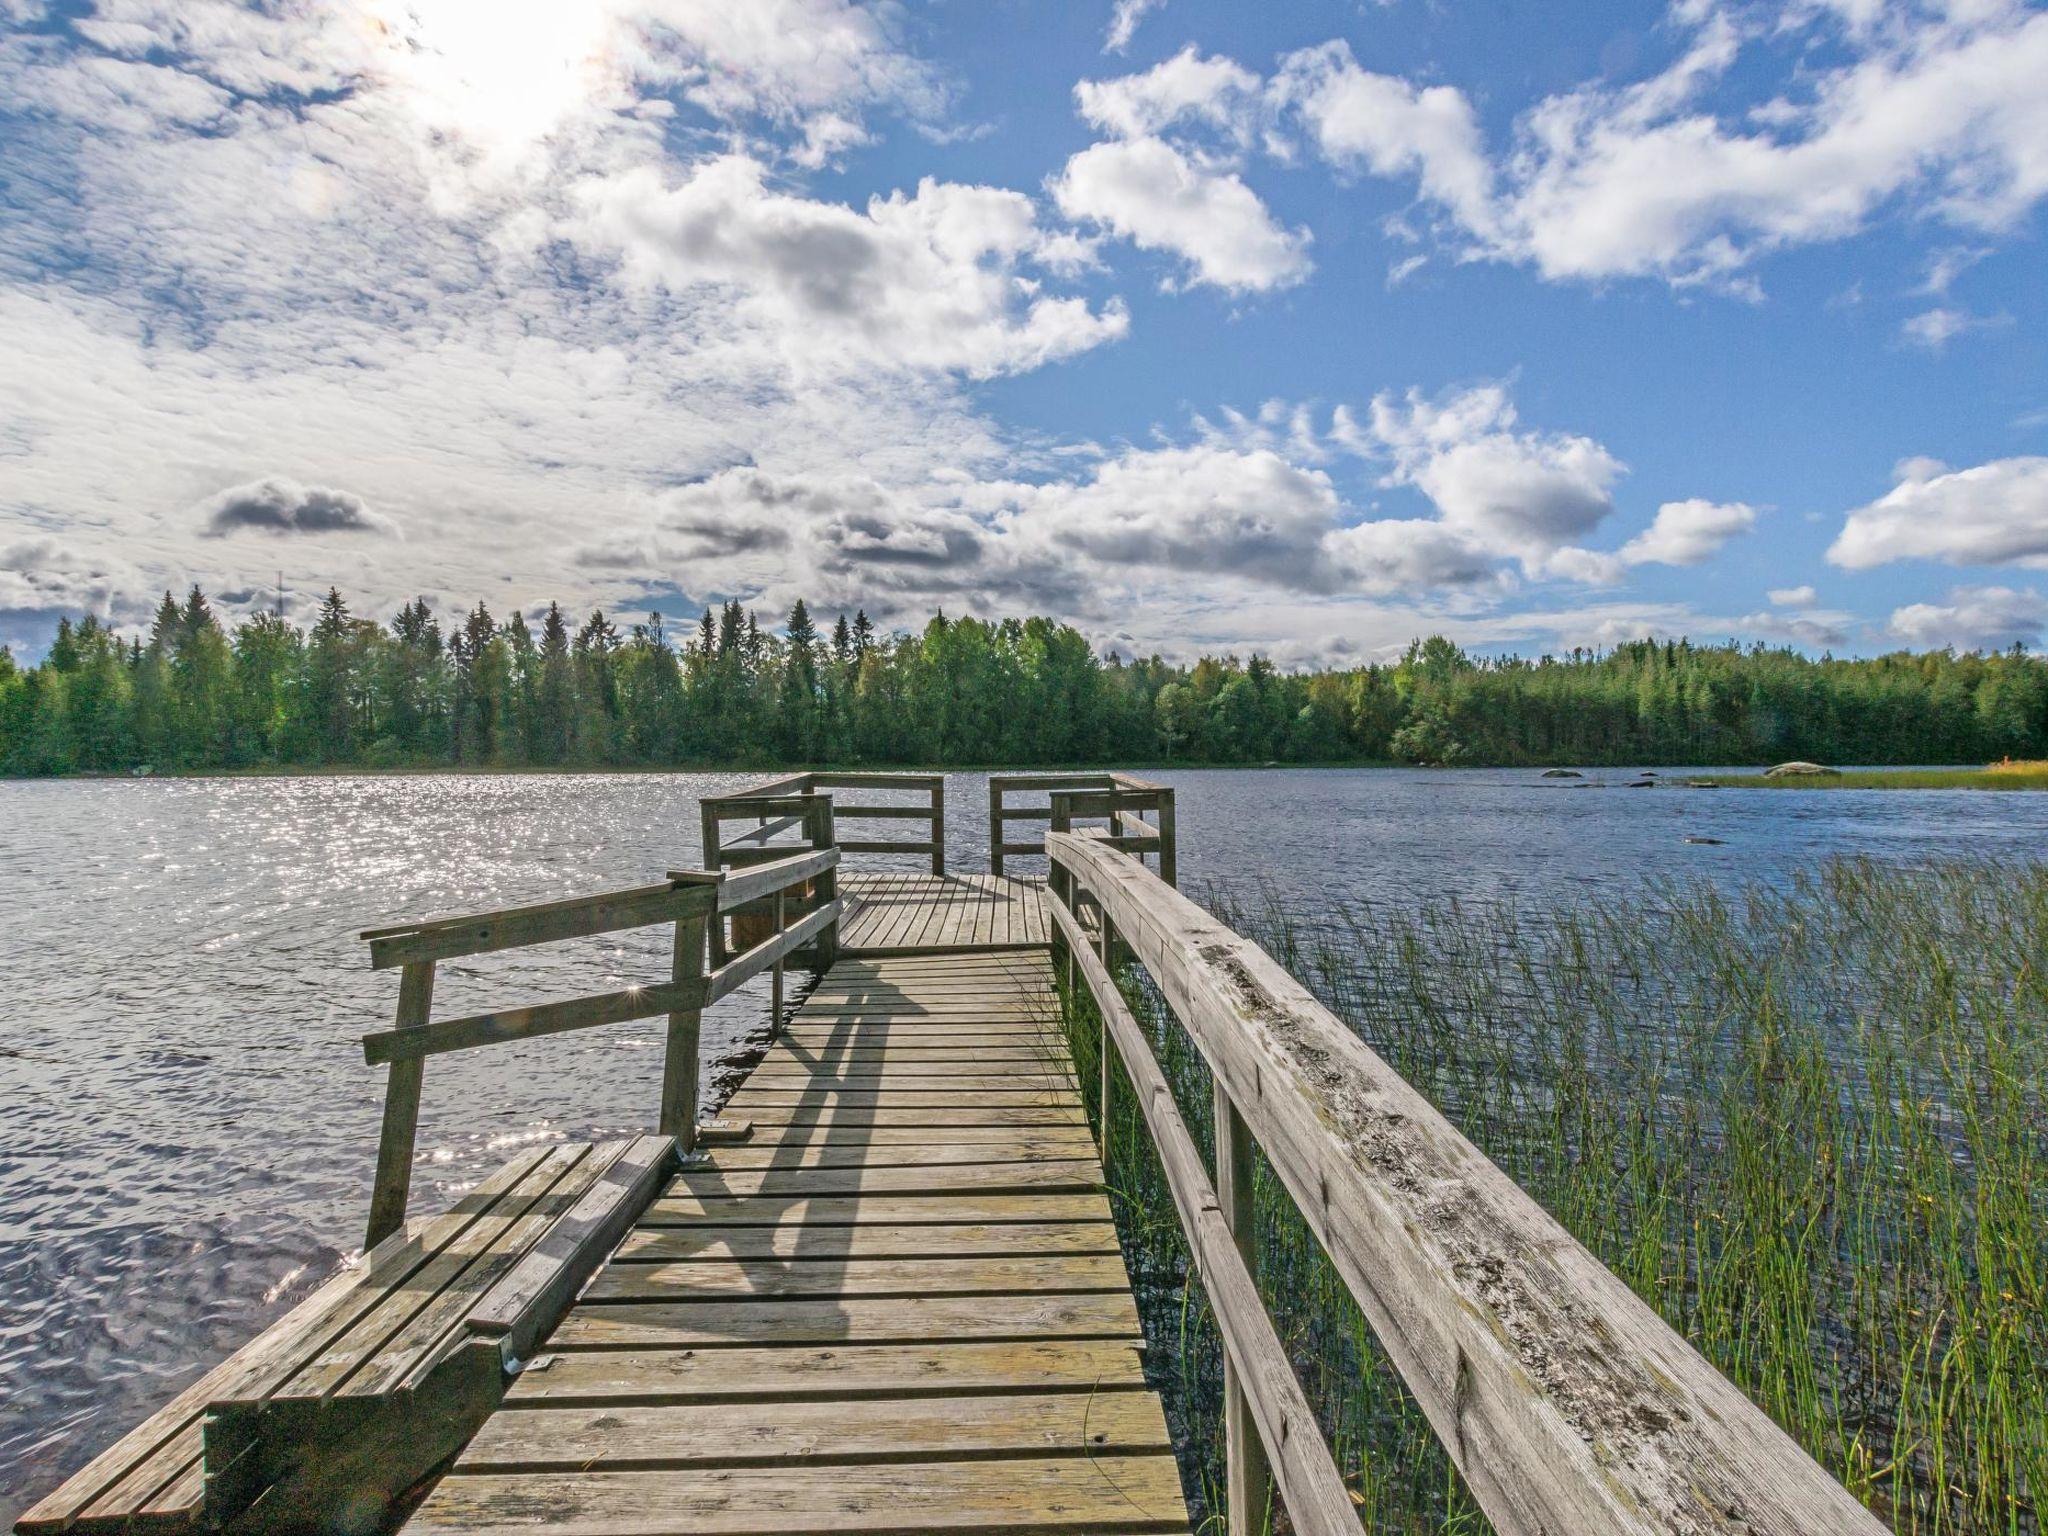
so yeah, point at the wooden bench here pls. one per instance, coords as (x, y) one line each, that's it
(326, 1419)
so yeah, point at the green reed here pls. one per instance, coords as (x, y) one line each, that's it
(1808, 1124)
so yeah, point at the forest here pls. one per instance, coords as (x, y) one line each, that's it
(195, 694)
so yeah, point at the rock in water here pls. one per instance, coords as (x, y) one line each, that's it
(1562, 773)
(1802, 771)
(1705, 842)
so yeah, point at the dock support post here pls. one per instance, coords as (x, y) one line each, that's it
(995, 827)
(1247, 1475)
(679, 1066)
(401, 1110)
(939, 825)
(1169, 853)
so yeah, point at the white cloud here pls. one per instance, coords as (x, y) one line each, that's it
(1519, 493)
(931, 281)
(1974, 619)
(1123, 23)
(1993, 514)
(1389, 127)
(1939, 111)
(1792, 597)
(1187, 88)
(1147, 191)
(1688, 532)
(1935, 328)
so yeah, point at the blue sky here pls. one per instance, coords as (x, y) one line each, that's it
(1303, 329)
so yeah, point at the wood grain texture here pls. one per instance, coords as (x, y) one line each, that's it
(1565, 1400)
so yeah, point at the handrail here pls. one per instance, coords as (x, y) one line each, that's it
(792, 791)
(691, 899)
(1565, 1401)
(1305, 1471)
(1116, 797)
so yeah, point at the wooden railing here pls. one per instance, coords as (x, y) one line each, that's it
(1568, 1405)
(773, 819)
(695, 901)
(1117, 798)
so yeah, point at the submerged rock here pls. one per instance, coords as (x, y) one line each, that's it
(1562, 773)
(1705, 842)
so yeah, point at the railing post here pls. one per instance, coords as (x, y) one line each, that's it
(401, 1110)
(712, 861)
(679, 1066)
(775, 980)
(939, 825)
(995, 826)
(1247, 1475)
(1169, 855)
(822, 835)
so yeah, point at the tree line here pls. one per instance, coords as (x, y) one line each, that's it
(194, 693)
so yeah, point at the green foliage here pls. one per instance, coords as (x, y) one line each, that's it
(350, 691)
(1807, 1123)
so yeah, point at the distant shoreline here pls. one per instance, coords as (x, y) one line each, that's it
(1917, 776)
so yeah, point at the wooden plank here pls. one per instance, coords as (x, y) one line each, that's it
(409, 1319)
(1081, 1494)
(928, 1320)
(750, 963)
(887, 1210)
(543, 923)
(1035, 1078)
(797, 1241)
(532, 1022)
(987, 1178)
(535, 1291)
(169, 1440)
(1564, 1399)
(707, 1281)
(737, 888)
(845, 1154)
(852, 1116)
(837, 1432)
(880, 1136)
(597, 1377)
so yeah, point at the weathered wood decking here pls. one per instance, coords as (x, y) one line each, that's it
(898, 1306)
(905, 913)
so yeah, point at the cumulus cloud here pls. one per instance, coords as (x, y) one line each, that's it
(1182, 194)
(1387, 126)
(1682, 533)
(1520, 493)
(1993, 514)
(1974, 619)
(1162, 199)
(1187, 88)
(278, 505)
(929, 281)
(1791, 597)
(1938, 111)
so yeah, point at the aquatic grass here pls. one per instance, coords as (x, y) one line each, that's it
(2010, 774)
(1809, 1124)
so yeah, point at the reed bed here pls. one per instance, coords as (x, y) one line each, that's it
(1808, 1124)
(2009, 774)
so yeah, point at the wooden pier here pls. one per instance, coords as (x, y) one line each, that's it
(882, 1292)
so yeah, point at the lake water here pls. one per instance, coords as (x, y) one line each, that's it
(186, 1124)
